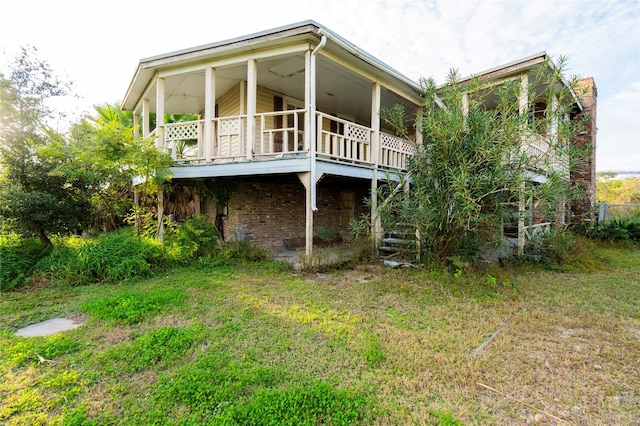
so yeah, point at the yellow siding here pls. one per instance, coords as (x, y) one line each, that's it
(229, 103)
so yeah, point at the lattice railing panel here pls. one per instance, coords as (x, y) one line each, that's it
(396, 143)
(361, 134)
(181, 131)
(229, 126)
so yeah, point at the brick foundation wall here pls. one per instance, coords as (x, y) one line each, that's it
(268, 209)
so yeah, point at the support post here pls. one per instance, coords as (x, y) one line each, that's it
(160, 113)
(136, 125)
(305, 178)
(145, 118)
(209, 110)
(521, 224)
(376, 223)
(160, 213)
(523, 107)
(308, 117)
(136, 203)
(252, 90)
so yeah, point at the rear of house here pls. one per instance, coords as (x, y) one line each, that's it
(282, 128)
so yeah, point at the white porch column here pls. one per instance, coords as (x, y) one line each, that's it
(305, 178)
(145, 118)
(376, 223)
(136, 125)
(209, 110)
(160, 143)
(252, 91)
(308, 118)
(523, 109)
(160, 112)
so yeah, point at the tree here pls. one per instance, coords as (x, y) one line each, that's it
(33, 196)
(472, 173)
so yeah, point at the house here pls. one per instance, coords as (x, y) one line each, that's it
(530, 72)
(284, 127)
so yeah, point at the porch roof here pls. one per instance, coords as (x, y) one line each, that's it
(519, 66)
(308, 32)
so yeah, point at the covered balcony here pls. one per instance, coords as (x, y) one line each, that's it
(295, 93)
(281, 135)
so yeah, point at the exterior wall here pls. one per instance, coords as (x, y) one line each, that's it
(585, 174)
(266, 210)
(229, 103)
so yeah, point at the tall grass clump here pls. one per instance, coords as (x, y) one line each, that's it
(111, 257)
(18, 259)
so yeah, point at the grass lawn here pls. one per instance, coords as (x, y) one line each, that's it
(254, 344)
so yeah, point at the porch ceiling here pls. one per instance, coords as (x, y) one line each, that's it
(339, 90)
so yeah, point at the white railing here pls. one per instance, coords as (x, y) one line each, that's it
(184, 139)
(280, 132)
(228, 137)
(533, 230)
(548, 159)
(343, 140)
(394, 151)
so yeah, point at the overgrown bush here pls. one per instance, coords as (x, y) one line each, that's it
(194, 238)
(617, 230)
(547, 249)
(242, 250)
(18, 259)
(111, 257)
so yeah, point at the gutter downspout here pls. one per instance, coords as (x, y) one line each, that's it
(314, 122)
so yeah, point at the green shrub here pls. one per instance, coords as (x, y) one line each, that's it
(133, 306)
(617, 230)
(548, 249)
(18, 259)
(194, 238)
(111, 257)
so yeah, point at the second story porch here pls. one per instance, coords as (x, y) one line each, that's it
(298, 92)
(281, 135)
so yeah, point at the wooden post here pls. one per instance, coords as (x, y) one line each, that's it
(376, 223)
(136, 203)
(522, 109)
(307, 102)
(160, 113)
(145, 118)
(160, 213)
(252, 90)
(209, 110)
(136, 125)
(305, 178)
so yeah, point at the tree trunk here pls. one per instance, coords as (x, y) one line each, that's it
(44, 239)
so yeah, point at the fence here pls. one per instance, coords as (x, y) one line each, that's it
(618, 211)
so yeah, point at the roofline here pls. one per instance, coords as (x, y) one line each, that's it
(510, 66)
(319, 29)
(522, 63)
(230, 41)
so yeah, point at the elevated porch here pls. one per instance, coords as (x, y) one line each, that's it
(280, 135)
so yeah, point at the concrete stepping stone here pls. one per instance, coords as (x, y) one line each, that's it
(48, 327)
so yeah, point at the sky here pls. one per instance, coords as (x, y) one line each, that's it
(97, 45)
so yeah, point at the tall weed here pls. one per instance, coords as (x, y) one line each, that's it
(110, 257)
(18, 259)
